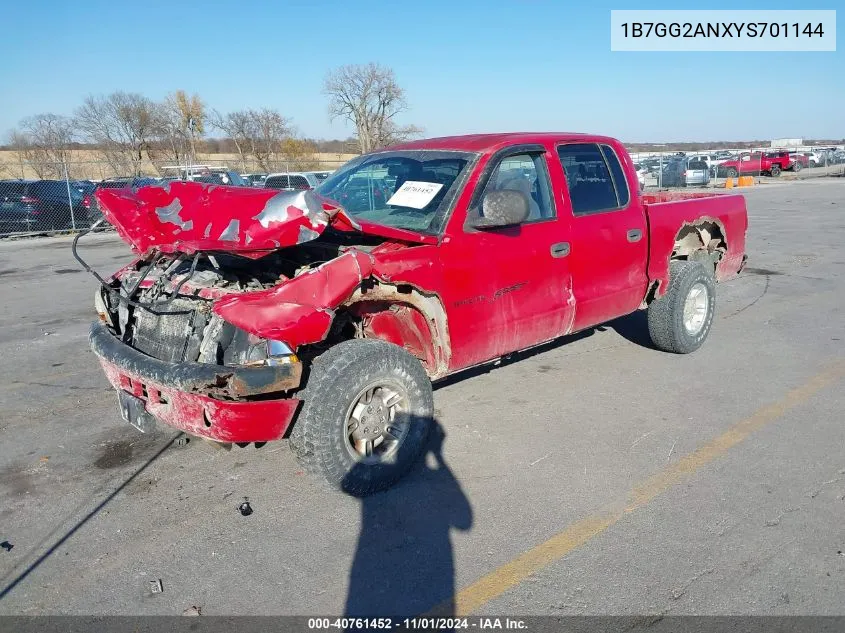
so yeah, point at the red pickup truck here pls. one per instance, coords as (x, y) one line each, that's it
(250, 314)
(770, 164)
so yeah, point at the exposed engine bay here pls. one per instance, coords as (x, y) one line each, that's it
(162, 306)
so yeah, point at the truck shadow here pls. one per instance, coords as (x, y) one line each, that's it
(404, 564)
(632, 327)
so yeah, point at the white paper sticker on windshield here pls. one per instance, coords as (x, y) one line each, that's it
(415, 194)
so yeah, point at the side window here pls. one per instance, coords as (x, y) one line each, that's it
(619, 180)
(299, 182)
(526, 173)
(276, 182)
(591, 187)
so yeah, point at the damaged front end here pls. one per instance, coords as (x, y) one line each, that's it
(202, 331)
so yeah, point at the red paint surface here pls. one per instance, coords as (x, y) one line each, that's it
(242, 421)
(756, 163)
(208, 217)
(668, 213)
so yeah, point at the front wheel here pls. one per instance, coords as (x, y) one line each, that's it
(366, 414)
(680, 320)
(775, 171)
(732, 172)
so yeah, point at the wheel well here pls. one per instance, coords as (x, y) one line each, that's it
(702, 241)
(395, 313)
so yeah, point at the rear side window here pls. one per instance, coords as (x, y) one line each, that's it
(590, 180)
(276, 182)
(299, 182)
(50, 189)
(619, 180)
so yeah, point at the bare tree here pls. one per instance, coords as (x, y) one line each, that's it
(43, 142)
(179, 122)
(271, 130)
(237, 126)
(368, 97)
(122, 125)
(265, 136)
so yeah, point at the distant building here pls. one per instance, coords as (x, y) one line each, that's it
(787, 142)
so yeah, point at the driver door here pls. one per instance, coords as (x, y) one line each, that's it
(508, 288)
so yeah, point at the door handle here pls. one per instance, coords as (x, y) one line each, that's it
(635, 235)
(561, 249)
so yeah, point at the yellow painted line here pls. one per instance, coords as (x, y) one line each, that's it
(514, 572)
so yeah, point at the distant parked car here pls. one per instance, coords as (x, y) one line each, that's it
(685, 172)
(750, 163)
(820, 157)
(124, 182)
(319, 175)
(127, 182)
(206, 173)
(641, 174)
(254, 180)
(717, 159)
(799, 161)
(781, 157)
(293, 181)
(40, 205)
(85, 187)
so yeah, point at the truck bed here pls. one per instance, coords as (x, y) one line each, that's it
(669, 212)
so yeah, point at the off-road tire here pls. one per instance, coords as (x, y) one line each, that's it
(666, 314)
(775, 171)
(732, 172)
(319, 439)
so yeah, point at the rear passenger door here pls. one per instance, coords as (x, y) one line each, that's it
(609, 234)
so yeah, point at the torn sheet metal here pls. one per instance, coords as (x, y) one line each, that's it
(189, 216)
(299, 311)
(186, 217)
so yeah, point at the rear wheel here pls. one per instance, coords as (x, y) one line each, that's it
(680, 320)
(366, 414)
(732, 172)
(797, 167)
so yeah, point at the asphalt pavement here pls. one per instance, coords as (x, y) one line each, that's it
(595, 475)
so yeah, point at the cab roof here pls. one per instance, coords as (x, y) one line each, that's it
(492, 142)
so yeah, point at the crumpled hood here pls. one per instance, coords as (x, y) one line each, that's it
(188, 216)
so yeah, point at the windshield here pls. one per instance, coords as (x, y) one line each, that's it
(410, 190)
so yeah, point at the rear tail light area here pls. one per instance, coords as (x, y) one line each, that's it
(86, 202)
(29, 200)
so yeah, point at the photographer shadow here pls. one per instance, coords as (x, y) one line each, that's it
(404, 564)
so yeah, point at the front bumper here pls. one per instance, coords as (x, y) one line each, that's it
(210, 401)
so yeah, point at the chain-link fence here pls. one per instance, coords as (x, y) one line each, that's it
(736, 167)
(50, 198)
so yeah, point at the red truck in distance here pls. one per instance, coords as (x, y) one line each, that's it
(251, 315)
(769, 164)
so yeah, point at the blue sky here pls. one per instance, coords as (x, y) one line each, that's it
(466, 66)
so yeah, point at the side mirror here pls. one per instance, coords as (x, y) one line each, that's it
(499, 208)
